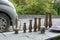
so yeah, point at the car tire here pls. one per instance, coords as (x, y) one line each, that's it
(4, 22)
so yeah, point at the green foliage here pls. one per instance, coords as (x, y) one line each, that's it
(55, 38)
(33, 6)
(57, 7)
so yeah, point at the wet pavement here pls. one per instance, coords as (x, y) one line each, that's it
(32, 35)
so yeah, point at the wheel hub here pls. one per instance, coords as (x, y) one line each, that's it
(3, 24)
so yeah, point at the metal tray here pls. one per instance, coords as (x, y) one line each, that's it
(55, 29)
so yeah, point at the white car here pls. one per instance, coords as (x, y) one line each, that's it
(8, 15)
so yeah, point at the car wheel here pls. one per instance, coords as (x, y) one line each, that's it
(4, 22)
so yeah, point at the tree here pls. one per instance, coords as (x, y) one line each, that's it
(56, 6)
(34, 6)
